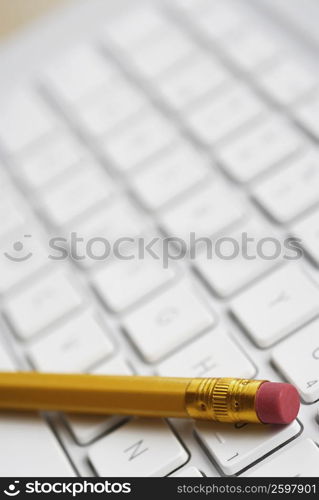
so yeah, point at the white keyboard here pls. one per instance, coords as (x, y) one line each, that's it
(164, 120)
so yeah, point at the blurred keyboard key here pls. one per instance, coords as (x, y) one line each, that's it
(307, 113)
(304, 347)
(191, 80)
(31, 449)
(139, 140)
(188, 472)
(13, 211)
(43, 301)
(83, 189)
(139, 448)
(86, 428)
(277, 305)
(75, 346)
(288, 80)
(167, 321)
(24, 119)
(299, 460)
(257, 150)
(307, 230)
(6, 362)
(77, 73)
(214, 354)
(170, 174)
(235, 447)
(207, 211)
(292, 189)
(49, 159)
(218, 19)
(217, 117)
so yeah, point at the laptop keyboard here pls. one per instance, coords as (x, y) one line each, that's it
(178, 119)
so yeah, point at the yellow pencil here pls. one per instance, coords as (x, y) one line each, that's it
(216, 399)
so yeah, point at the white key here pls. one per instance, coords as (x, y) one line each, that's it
(102, 230)
(166, 322)
(49, 159)
(121, 283)
(212, 355)
(219, 19)
(277, 306)
(132, 28)
(297, 358)
(86, 428)
(83, 189)
(22, 434)
(161, 52)
(235, 447)
(307, 230)
(251, 47)
(41, 303)
(207, 211)
(216, 118)
(145, 448)
(188, 472)
(108, 108)
(75, 346)
(288, 80)
(24, 120)
(21, 255)
(257, 150)
(147, 135)
(13, 212)
(307, 113)
(77, 73)
(191, 80)
(299, 460)
(238, 261)
(291, 190)
(6, 362)
(170, 174)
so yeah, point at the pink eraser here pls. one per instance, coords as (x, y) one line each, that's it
(277, 403)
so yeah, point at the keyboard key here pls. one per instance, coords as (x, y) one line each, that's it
(6, 362)
(235, 447)
(109, 107)
(24, 120)
(13, 211)
(251, 47)
(77, 73)
(219, 19)
(133, 28)
(304, 347)
(307, 113)
(257, 150)
(139, 140)
(188, 472)
(239, 260)
(216, 118)
(291, 190)
(299, 460)
(161, 52)
(167, 176)
(214, 354)
(74, 195)
(100, 232)
(307, 230)
(168, 321)
(139, 448)
(21, 255)
(288, 80)
(86, 428)
(49, 159)
(276, 306)
(122, 283)
(75, 346)
(41, 303)
(26, 434)
(191, 80)
(209, 210)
